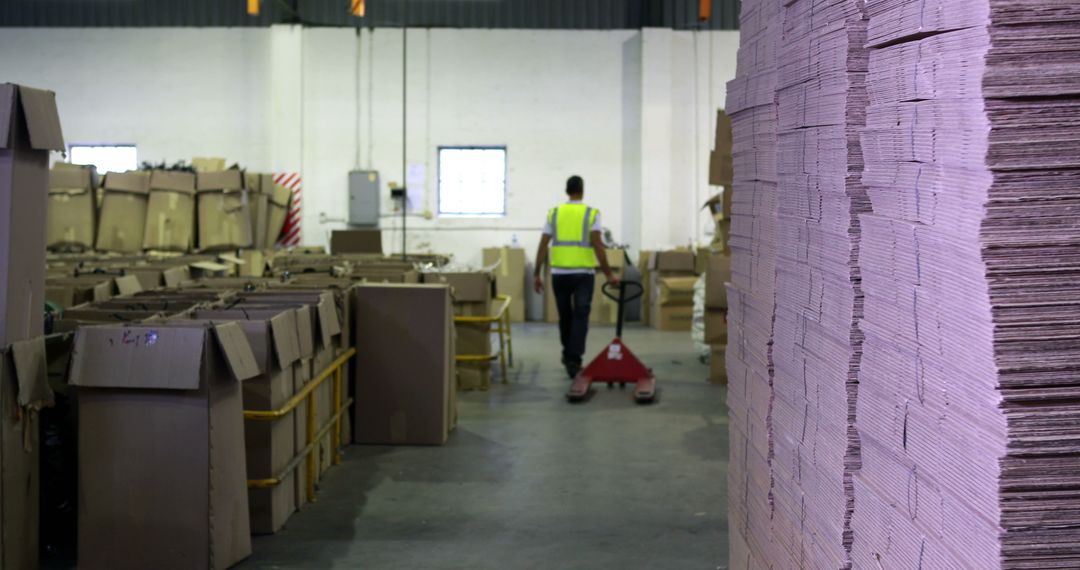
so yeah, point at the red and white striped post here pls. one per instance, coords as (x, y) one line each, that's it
(290, 232)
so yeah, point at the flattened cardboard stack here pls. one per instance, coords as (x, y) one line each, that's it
(72, 211)
(751, 104)
(162, 480)
(473, 294)
(671, 290)
(404, 376)
(967, 395)
(817, 346)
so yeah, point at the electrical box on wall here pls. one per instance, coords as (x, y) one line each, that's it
(364, 198)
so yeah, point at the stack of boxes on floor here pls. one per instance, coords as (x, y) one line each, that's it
(508, 265)
(29, 129)
(473, 294)
(672, 275)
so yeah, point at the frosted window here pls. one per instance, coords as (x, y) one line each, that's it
(472, 182)
(116, 158)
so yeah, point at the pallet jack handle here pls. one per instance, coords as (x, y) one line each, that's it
(622, 299)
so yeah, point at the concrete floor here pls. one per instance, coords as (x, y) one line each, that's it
(531, 481)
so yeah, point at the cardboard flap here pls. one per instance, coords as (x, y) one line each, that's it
(70, 180)
(173, 181)
(234, 344)
(31, 371)
(229, 258)
(128, 285)
(132, 181)
(7, 113)
(140, 356)
(305, 332)
(175, 276)
(221, 180)
(286, 340)
(329, 326)
(42, 120)
(280, 196)
(210, 266)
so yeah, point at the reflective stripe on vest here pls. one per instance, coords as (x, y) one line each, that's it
(571, 247)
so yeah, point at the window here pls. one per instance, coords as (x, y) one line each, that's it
(107, 158)
(472, 181)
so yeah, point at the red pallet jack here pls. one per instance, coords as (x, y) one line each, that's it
(616, 364)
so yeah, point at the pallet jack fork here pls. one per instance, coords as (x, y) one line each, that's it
(616, 363)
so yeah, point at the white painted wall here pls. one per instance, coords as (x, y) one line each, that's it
(632, 112)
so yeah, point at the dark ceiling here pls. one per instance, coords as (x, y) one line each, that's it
(523, 14)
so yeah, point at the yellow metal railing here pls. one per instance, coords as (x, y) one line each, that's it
(306, 395)
(501, 322)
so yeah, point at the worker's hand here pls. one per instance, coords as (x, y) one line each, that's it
(613, 280)
(538, 284)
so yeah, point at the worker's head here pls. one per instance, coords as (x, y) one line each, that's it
(575, 187)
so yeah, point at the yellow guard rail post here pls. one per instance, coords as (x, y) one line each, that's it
(501, 322)
(307, 395)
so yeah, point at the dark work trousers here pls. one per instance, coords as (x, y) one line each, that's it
(573, 296)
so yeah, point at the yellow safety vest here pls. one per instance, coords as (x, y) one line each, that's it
(570, 245)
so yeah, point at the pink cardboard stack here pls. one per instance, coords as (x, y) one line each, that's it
(817, 345)
(751, 104)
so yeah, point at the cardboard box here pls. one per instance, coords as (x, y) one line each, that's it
(72, 210)
(715, 327)
(510, 277)
(208, 164)
(356, 241)
(162, 476)
(473, 376)
(675, 291)
(721, 170)
(123, 212)
(255, 263)
(277, 210)
(717, 274)
(71, 291)
(224, 215)
(673, 317)
(270, 445)
(170, 211)
(29, 129)
(466, 287)
(717, 369)
(678, 260)
(404, 374)
(24, 391)
(260, 187)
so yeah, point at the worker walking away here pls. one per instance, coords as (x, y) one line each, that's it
(573, 232)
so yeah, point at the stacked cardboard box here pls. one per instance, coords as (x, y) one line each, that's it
(473, 293)
(224, 212)
(72, 211)
(717, 274)
(122, 224)
(509, 271)
(356, 241)
(671, 282)
(162, 475)
(404, 376)
(170, 213)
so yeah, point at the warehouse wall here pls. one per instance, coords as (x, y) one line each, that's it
(631, 111)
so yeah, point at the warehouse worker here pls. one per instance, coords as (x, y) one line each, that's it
(575, 250)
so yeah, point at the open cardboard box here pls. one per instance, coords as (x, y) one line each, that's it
(162, 474)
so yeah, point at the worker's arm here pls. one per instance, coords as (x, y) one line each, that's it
(601, 255)
(541, 259)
